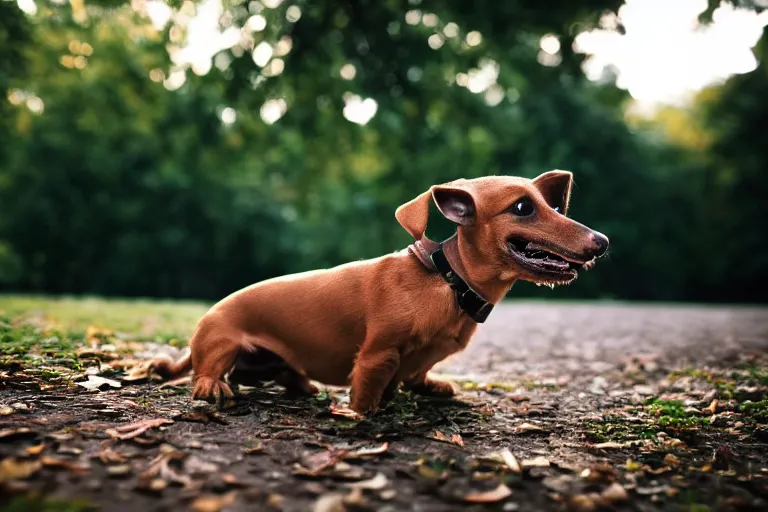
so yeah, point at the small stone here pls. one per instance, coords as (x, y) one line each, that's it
(582, 503)
(615, 492)
(120, 470)
(330, 503)
(597, 386)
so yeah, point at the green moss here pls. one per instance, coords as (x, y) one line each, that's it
(672, 413)
(756, 411)
(618, 429)
(40, 504)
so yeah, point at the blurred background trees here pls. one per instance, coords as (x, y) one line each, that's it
(130, 165)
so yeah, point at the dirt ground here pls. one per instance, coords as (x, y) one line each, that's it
(585, 406)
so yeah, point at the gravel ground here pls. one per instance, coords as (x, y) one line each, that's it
(587, 406)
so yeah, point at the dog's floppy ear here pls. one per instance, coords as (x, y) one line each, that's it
(555, 186)
(454, 201)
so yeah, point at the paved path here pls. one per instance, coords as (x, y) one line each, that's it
(548, 339)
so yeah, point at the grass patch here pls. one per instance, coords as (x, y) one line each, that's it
(508, 387)
(672, 413)
(40, 504)
(756, 411)
(147, 318)
(618, 429)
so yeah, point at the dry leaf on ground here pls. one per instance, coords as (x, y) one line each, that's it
(95, 382)
(7, 434)
(376, 483)
(611, 445)
(528, 427)
(16, 469)
(499, 493)
(345, 412)
(55, 462)
(136, 429)
(368, 451)
(213, 503)
(454, 439)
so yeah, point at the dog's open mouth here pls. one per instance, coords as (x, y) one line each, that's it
(544, 264)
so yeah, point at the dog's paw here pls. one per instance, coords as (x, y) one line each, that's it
(436, 388)
(214, 392)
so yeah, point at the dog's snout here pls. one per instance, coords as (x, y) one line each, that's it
(601, 243)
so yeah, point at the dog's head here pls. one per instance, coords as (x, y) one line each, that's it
(516, 226)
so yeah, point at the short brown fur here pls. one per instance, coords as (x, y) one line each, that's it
(378, 323)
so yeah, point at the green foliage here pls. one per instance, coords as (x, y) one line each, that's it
(124, 187)
(672, 413)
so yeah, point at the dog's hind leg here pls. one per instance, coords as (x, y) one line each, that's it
(295, 383)
(426, 386)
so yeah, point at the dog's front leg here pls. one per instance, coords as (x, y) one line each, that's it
(373, 373)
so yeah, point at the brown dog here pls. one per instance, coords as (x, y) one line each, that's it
(378, 323)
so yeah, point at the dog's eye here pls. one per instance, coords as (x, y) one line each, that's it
(523, 207)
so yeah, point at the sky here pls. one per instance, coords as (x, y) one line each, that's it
(666, 56)
(663, 58)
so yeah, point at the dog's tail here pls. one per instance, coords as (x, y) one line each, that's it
(169, 369)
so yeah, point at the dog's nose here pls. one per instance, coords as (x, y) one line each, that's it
(601, 243)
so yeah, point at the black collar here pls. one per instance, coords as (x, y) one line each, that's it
(469, 300)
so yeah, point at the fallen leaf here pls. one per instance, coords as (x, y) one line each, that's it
(528, 427)
(345, 412)
(454, 439)
(69, 450)
(368, 451)
(671, 460)
(333, 502)
(203, 416)
(96, 335)
(36, 449)
(499, 493)
(55, 462)
(610, 445)
(504, 457)
(108, 455)
(275, 501)
(95, 382)
(582, 503)
(12, 433)
(355, 499)
(16, 469)
(429, 472)
(136, 429)
(510, 460)
(651, 490)
(376, 483)
(119, 470)
(256, 448)
(538, 462)
(6, 410)
(232, 480)
(160, 466)
(213, 503)
(137, 373)
(154, 485)
(196, 466)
